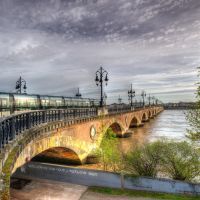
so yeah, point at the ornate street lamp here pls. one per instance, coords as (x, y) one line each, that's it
(149, 98)
(157, 101)
(78, 94)
(131, 95)
(20, 84)
(153, 100)
(120, 100)
(105, 98)
(143, 94)
(101, 76)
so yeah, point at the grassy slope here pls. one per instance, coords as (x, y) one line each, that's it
(132, 193)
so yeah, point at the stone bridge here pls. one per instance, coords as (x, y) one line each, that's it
(81, 132)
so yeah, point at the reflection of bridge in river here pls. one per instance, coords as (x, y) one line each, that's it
(26, 135)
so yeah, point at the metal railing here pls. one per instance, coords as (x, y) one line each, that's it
(14, 125)
(118, 109)
(127, 108)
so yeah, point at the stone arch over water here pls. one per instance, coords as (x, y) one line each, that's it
(135, 122)
(145, 117)
(116, 128)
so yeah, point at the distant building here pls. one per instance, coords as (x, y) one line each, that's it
(179, 105)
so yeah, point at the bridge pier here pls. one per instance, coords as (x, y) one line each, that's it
(126, 134)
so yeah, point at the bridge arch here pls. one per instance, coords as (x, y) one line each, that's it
(135, 122)
(149, 114)
(116, 128)
(60, 155)
(145, 117)
(41, 141)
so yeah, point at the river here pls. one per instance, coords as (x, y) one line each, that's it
(170, 124)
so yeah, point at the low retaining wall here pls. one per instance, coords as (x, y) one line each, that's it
(104, 179)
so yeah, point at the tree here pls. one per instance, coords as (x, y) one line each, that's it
(144, 160)
(180, 160)
(193, 117)
(108, 152)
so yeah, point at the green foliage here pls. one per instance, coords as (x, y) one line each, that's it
(193, 117)
(144, 161)
(108, 152)
(181, 161)
(133, 193)
(178, 160)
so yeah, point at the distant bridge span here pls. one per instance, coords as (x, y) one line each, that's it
(26, 135)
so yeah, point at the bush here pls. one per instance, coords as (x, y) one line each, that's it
(181, 161)
(144, 161)
(193, 116)
(109, 153)
(178, 160)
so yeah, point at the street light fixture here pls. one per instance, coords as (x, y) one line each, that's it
(20, 84)
(131, 95)
(143, 94)
(153, 100)
(105, 98)
(78, 94)
(101, 76)
(149, 98)
(119, 100)
(157, 102)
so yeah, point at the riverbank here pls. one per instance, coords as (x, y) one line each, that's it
(100, 193)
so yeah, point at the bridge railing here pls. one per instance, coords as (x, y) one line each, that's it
(14, 125)
(120, 109)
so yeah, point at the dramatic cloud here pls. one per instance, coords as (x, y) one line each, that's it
(57, 45)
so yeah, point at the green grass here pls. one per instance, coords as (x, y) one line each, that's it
(133, 193)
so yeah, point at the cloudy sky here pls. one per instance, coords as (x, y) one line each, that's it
(57, 46)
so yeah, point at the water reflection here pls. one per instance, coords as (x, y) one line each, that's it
(170, 124)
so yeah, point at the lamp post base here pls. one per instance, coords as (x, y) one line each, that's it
(102, 111)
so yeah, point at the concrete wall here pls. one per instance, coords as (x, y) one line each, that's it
(105, 179)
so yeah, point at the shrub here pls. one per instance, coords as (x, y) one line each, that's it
(178, 160)
(193, 116)
(181, 161)
(144, 161)
(109, 153)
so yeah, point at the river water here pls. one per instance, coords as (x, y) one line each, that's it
(170, 124)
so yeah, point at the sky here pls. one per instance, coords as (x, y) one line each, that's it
(58, 45)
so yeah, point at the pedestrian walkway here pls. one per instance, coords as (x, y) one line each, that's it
(48, 190)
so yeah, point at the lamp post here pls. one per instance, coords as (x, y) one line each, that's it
(153, 100)
(143, 94)
(78, 94)
(157, 102)
(101, 76)
(105, 98)
(120, 100)
(149, 98)
(131, 95)
(135, 104)
(20, 84)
